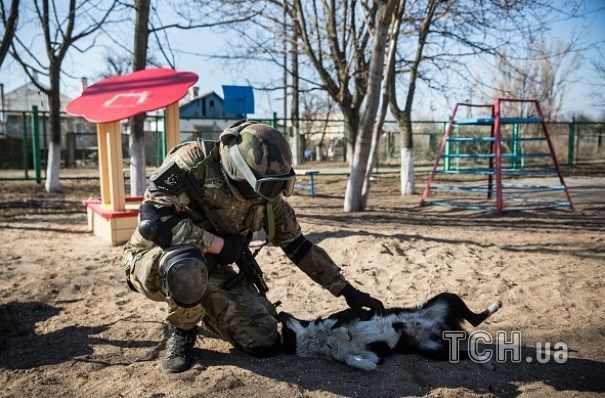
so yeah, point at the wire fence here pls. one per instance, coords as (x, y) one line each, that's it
(323, 141)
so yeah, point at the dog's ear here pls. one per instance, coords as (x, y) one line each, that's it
(343, 333)
(398, 326)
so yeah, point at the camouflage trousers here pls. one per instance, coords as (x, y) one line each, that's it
(239, 315)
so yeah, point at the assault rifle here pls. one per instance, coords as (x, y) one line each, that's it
(249, 270)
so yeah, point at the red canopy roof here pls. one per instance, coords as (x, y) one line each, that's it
(121, 97)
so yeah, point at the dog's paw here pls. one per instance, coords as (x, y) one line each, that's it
(494, 307)
(362, 362)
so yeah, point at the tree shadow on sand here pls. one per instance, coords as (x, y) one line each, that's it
(587, 219)
(22, 348)
(589, 250)
(413, 375)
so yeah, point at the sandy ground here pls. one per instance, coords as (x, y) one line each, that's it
(70, 327)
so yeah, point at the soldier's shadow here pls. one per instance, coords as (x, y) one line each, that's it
(21, 347)
(414, 375)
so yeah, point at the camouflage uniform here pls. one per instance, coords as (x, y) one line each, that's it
(240, 315)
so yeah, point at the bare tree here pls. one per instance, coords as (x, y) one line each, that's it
(115, 65)
(599, 85)
(60, 33)
(354, 199)
(387, 82)
(9, 22)
(149, 23)
(545, 74)
(136, 147)
(335, 39)
(343, 45)
(404, 116)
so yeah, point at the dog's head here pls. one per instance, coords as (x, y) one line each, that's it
(310, 338)
(293, 330)
(323, 338)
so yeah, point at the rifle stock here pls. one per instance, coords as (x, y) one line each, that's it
(248, 270)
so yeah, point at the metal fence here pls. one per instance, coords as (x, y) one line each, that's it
(323, 141)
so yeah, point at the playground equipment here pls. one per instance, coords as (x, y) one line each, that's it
(474, 149)
(113, 217)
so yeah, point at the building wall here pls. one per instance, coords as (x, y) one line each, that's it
(210, 105)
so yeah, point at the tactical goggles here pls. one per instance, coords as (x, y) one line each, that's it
(267, 187)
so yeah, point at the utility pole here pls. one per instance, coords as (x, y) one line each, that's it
(296, 138)
(285, 63)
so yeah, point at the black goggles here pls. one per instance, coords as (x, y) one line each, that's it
(267, 187)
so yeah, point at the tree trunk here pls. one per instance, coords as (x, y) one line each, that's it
(404, 117)
(10, 27)
(353, 195)
(407, 180)
(376, 131)
(296, 138)
(136, 148)
(387, 82)
(351, 125)
(53, 168)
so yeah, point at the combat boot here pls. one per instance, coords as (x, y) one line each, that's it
(179, 350)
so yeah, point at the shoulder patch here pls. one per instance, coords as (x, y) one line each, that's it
(167, 179)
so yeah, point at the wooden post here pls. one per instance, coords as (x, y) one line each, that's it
(173, 126)
(102, 157)
(115, 164)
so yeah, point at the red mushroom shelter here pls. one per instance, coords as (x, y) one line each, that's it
(113, 217)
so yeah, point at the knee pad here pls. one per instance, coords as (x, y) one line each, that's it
(184, 276)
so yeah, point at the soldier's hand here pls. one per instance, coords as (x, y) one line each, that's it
(232, 251)
(358, 300)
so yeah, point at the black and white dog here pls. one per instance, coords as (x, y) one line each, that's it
(363, 343)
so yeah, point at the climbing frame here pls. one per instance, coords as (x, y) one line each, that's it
(493, 151)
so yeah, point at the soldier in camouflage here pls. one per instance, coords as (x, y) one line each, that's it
(199, 212)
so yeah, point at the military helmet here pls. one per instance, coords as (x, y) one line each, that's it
(259, 155)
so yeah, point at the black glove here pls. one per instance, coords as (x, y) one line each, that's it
(232, 251)
(357, 300)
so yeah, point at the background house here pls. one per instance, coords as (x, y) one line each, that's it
(15, 123)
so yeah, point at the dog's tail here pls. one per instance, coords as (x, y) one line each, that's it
(458, 306)
(476, 319)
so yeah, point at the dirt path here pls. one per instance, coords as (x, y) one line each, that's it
(70, 327)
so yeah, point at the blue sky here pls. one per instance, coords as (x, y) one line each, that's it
(215, 72)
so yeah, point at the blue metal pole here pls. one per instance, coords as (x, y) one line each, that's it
(515, 145)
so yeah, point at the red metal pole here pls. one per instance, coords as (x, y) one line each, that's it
(498, 168)
(552, 151)
(429, 181)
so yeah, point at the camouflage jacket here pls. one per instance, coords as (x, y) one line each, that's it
(240, 215)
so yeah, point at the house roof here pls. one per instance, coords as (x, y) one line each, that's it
(24, 97)
(188, 101)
